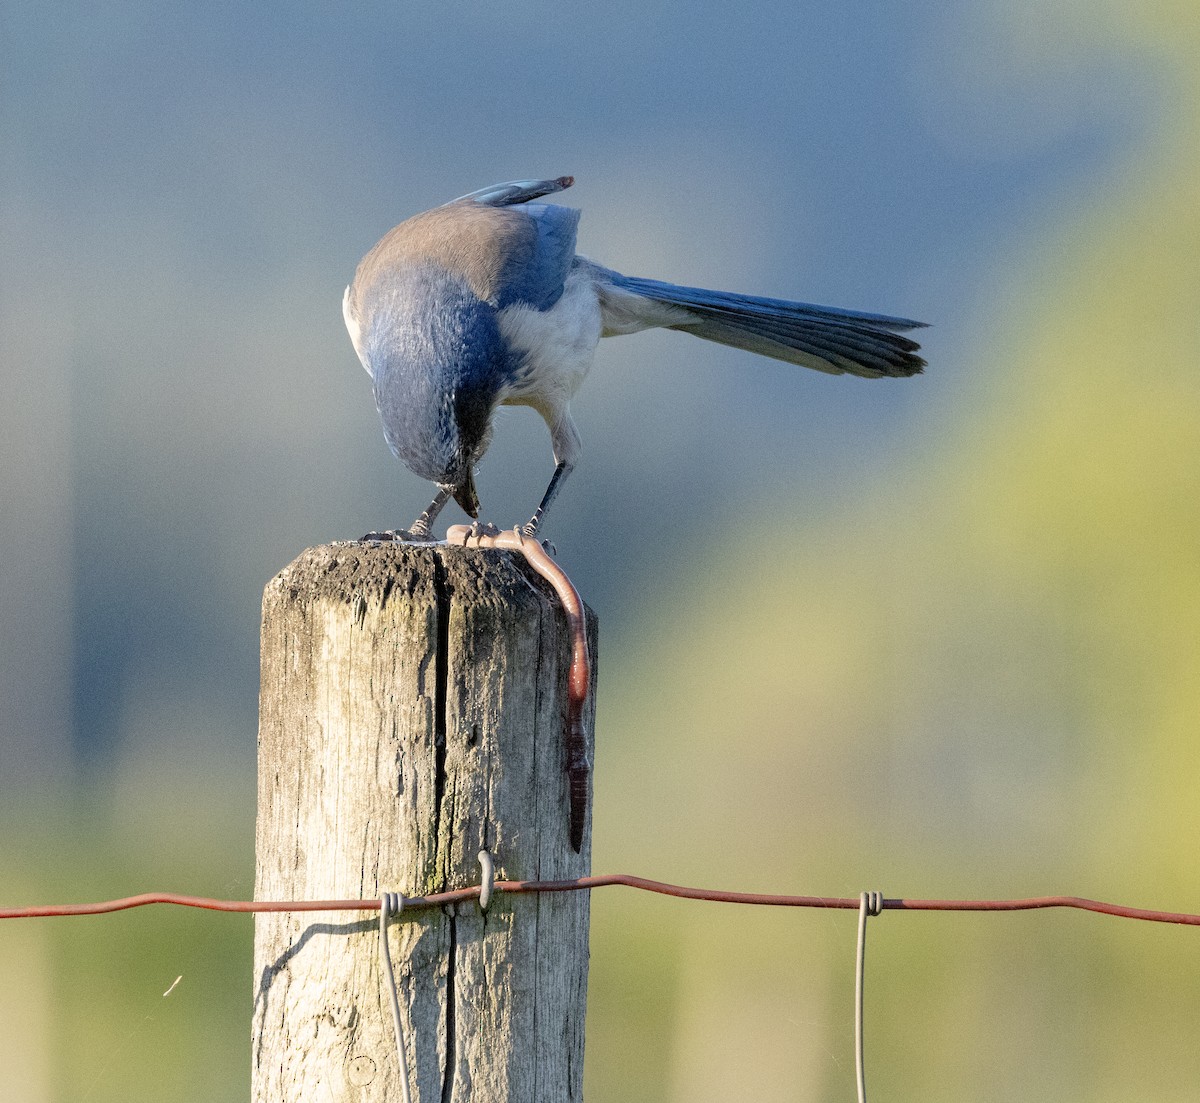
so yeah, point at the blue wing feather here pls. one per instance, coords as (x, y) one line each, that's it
(535, 274)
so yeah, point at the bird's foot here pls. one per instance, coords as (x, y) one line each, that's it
(414, 535)
(487, 535)
(476, 533)
(529, 531)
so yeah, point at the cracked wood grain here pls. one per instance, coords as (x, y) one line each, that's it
(411, 714)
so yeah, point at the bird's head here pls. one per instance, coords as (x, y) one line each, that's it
(438, 369)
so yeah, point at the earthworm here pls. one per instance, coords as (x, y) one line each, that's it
(579, 673)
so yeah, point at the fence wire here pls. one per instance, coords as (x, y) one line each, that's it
(391, 904)
(472, 892)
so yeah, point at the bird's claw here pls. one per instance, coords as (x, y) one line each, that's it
(476, 531)
(486, 534)
(479, 529)
(529, 531)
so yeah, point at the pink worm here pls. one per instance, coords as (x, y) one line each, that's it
(579, 674)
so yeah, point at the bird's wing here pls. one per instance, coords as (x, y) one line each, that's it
(533, 244)
(515, 191)
(535, 273)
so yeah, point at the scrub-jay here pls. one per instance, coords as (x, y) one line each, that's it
(483, 302)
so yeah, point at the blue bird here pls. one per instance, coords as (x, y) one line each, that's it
(483, 302)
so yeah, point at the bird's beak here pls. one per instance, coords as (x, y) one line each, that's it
(465, 496)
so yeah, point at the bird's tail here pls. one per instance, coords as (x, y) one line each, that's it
(820, 337)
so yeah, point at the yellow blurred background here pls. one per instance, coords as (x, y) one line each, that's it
(978, 678)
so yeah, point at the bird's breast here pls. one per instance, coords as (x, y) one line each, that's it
(551, 350)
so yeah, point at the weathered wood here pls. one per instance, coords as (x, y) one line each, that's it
(411, 714)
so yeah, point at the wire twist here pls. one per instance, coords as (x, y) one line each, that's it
(869, 903)
(487, 886)
(390, 904)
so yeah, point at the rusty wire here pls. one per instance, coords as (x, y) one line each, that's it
(471, 892)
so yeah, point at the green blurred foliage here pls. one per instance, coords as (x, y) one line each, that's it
(980, 679)
(85, 1013)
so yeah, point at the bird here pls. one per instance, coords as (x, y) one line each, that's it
(483, 302)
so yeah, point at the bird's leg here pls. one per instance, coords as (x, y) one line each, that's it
(421, 528)
(561, 471)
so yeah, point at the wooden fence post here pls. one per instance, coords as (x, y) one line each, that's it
(411, 714)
